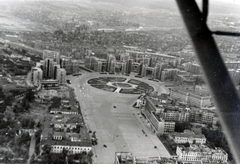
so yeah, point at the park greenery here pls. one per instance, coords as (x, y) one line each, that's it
(15, 139)
(181, 126)
(56, 102)
(103, 83)
(216, 138)
(2, 100)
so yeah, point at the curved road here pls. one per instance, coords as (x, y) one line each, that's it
(120, 128)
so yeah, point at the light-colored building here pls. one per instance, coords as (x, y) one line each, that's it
(201, 153)
(71, 147)
(50, 71)
(193, 68)
(66, 63)
(202, 116)
(188, 137)
(169, 74)
(48, 68)
(123, 158)
(120, 67)
(191, 98)
(61, 76)
(51, 55)
(96, 64)
(175, 115)
(158, 124)
(62, 132)
(75, 66)
(128, 158)
(62, 121)
(65, 109)
(36, 76)
(149, 71)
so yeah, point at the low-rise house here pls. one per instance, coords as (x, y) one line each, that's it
(188, 137)
(201, 153)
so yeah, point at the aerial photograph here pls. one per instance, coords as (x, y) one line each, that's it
(119, 82)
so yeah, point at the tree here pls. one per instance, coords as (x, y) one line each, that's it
(24, 51)
(216, 138)
(186, 144)
(24, 138)
(25, 104)
(64, 152)
(90, 153)
(218, 124)
(30, 95)
(46, 149)
(2, 101)
(181, 126)
(27, 122)
(39, 125)
(57, 159)
(56, 102)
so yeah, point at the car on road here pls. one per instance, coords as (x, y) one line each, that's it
(105, 146)
(156, 80)
(68, 81)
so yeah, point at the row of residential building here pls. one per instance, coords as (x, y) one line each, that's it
(188, 155)
(128, 158)
(201, 153)
(132, 59)
(162, 115)
(191, 97)
(159, 125)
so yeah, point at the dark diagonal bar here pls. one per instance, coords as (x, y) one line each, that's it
(216, 74)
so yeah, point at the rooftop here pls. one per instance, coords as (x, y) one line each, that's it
(188, 133)
(67, 119)
(124, 158)
(201, 148)
(83, 138)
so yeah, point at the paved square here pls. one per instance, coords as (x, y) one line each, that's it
(119, 127)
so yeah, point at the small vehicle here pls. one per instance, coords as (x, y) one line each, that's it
(105, 146)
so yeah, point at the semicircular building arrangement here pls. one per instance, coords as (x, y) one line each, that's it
(120, 85)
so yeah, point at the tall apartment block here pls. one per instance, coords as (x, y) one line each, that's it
(36, 76)
(51, 55)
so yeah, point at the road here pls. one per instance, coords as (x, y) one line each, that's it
(119, 127)
(31, 148)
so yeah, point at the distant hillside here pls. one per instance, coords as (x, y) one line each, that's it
(161, 14)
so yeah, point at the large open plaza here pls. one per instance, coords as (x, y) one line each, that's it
(117, 124)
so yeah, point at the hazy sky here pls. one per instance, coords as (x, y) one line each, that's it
(211, 1)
